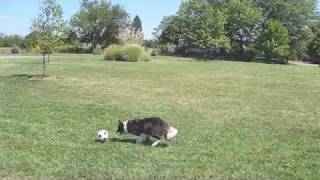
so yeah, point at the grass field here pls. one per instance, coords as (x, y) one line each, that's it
(235, 120)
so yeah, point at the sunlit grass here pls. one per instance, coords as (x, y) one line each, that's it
(235, 120)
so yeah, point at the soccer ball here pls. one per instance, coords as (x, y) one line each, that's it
(102, 135)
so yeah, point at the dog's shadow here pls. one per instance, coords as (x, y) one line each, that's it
(133, 141)
(123, 140)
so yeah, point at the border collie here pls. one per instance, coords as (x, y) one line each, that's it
(148, 127)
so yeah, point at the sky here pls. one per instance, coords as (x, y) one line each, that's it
(16, 15)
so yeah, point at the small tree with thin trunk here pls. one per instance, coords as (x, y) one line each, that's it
(48, 29)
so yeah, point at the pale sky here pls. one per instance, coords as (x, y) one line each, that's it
(16, 15)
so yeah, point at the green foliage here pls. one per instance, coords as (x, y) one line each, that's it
(128, 52)
(295, 15)
(113, 52)
(5, 50)
(48, 26)
(31, 41)
(167, 49)
(211, 23)
(16, 49)
(97, 50)
(73, 49)
(155, 51)
(243, 23)
(169, 30)
(8, 41)
(146, 55)
(274, 40)
(314, 49)
(132, 52)
(136, 24)
(150, 43)
(98, 22)
(203, 25)
(198, 23)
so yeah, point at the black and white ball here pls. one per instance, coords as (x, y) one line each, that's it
(102, 135)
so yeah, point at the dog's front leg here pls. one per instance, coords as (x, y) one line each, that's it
(141, 139)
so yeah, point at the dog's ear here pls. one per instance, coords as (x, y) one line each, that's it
(119, 122)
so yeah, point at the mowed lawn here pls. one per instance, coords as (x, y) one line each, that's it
(235, 120)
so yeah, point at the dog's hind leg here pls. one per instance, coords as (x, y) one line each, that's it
(156, 143)
(141, 139)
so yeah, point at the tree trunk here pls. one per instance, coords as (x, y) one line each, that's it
(48, 58)
(205, 53)
(241, 52)
(44, 73)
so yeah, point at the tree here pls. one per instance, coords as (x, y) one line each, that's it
(314, 46)
(242, 24)
(169, 30)
(295, 15)
(31, 40)
(130, 36)
(274, 40)
(8, 41)
(98, 22)
(136, 24)
(48, 28)
(203, 25)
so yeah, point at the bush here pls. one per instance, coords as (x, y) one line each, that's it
(33, 50)
(314, 49)
(113, 52)
(155, 52)
(73, 49)
(15, 49)
(132, 52)
(97, 50)
(167, 49)
(146, 56)
(129, 52)
(5, 50)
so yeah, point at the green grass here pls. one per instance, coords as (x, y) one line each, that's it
(235, 120)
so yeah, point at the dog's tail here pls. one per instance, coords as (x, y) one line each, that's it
(171, 133)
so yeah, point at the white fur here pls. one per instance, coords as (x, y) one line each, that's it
(125, 126)
(156, 143)
(172, 132)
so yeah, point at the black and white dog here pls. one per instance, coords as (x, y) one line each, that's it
(148, 127)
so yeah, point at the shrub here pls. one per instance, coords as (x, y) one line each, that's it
(128, 52)
(132, 52)
(5, 50)
(73, 49)
(113, 52)
(314, 49)
(97, 50)
(155, 52)
(146, 56)
(167, 49)
(33, 50)
(15, 49)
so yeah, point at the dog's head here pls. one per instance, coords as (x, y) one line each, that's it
(121, 128)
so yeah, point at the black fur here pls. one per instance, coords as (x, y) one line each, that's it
(153, 126)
